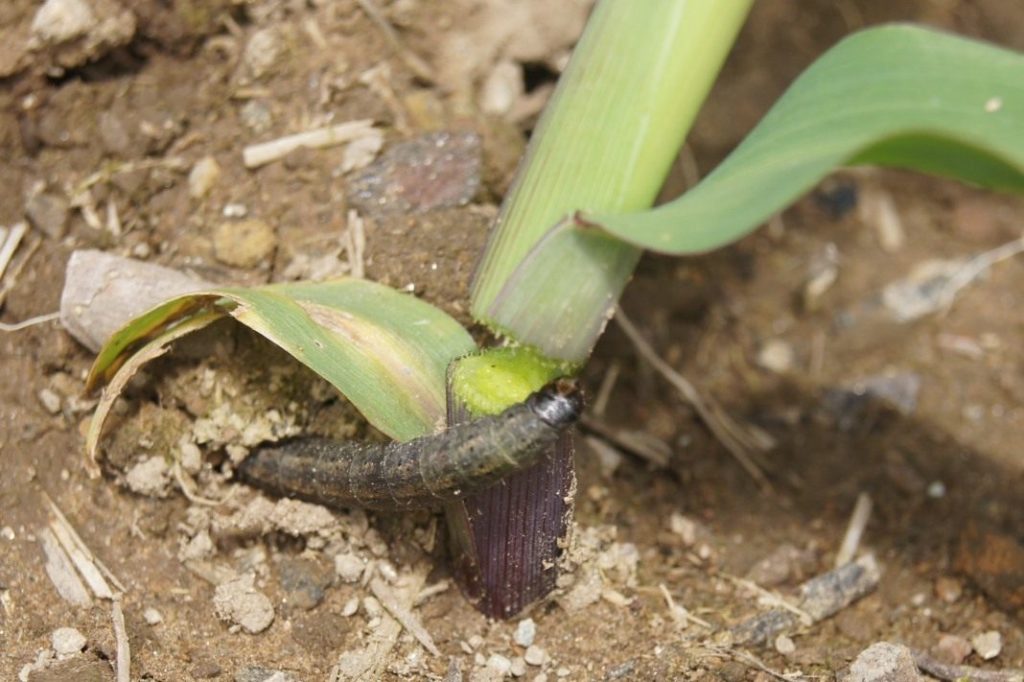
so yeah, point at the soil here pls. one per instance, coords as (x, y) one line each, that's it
(943, 468)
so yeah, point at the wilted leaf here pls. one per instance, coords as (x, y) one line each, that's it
(385, 351)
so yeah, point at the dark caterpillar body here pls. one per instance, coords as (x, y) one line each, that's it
(422, 472)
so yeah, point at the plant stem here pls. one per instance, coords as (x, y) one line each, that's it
(605, 143)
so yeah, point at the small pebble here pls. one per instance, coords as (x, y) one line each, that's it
(563, 672)
(535, 655)
(235, 211)
(203, 177)
(190, 457)
(349, 567)
(206, 670)
(476, 641)
(257, 673)
(50, 401)
(784, 645)
(48, 213)
(684, 527)
(256, 116)
(776, 356)
(67, 641)
(948, 589)
(244, 243)
(238, 601)
(952, 649)
(372, 607)
(884, 662)
(303, 581)
(499, 664)
(263, 52)
(58, 21)
(350, 607)
(936, 490)
(150, 477)
(988, 644)
(525, 632)
(429, 172)
(518, 666)
(542, 677)
(7, 533)
(152, 616)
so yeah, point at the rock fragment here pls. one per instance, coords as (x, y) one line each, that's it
(303, 581)
(238, 601)
(429, 172)
(525, 632)
(48, 213)
(203, 177)
(243, 244)
(67, 641)
(776, 356)
(255, 673)
(59, 21)
(988, 644)
(884, 662)
(149, 477)
(952, 649)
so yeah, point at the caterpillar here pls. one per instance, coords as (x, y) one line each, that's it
(422, 472)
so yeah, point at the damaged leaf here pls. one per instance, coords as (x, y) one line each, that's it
(386, 352)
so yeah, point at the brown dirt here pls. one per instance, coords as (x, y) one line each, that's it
(177, 89)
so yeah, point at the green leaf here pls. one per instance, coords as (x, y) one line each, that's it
(605, 143)
(897, 96)
(385, 351)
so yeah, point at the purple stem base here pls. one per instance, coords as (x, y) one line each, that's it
(507, 540)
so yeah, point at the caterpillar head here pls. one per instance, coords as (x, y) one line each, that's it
(558, 404)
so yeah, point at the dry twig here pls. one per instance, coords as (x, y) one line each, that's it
(260, 154)
(355, 244)
(61, 571)
(409, 58)
(370, 662)
(739, 439)
(952, 673)
(30, 322)
(124, 654)
(624, 441)
(403, 615)
(10, 238)
(855, 530)
(820, 597)
(93, 570)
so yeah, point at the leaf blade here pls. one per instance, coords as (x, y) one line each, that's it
(925, 101)
(387, 352)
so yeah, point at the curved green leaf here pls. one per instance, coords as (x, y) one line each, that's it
(387, 352)
(897, 96)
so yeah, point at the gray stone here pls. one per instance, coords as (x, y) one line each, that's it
(303, 581)
(48, 213)
(67, 641)
(255, 673)
(884, 662)
(238, 601)
(429, 172)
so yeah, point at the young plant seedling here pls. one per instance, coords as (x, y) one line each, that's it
(570, 234)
